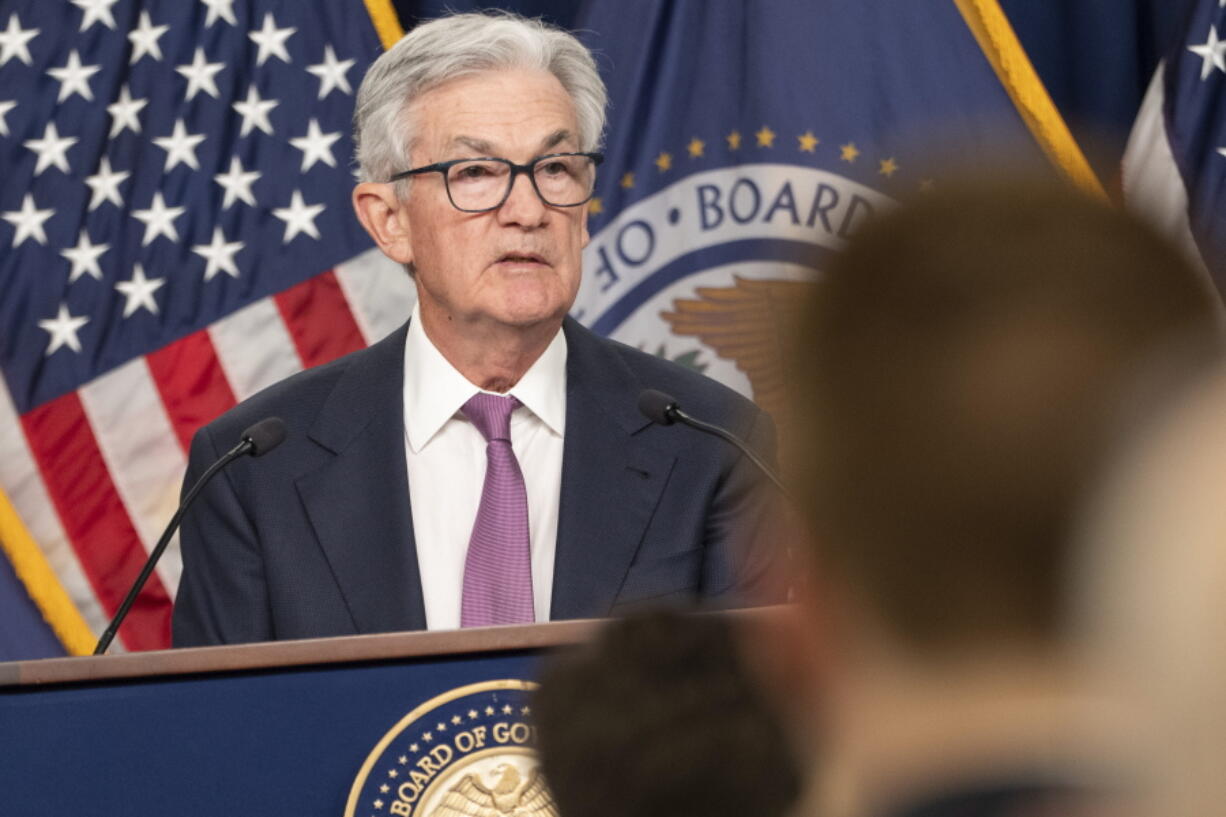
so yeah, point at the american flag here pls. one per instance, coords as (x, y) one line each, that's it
(175, 234)
(1175, 163)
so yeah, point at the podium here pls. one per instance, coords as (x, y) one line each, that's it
(363, 725)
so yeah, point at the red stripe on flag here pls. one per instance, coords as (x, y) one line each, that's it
(94, 518)
(192, 384)
(319, 320)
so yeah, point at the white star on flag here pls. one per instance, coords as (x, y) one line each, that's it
(28, 221)
(145, 39)
(84, 258)
(331, 73)
(254, 111)
(180, 146)
(123, 112)
(105, 184)
(316, 146)
(1212, 54)
(96, 11)
(199, 73)
(5, 106)
(299, 217)
(159, 220)
(237, 183)
(271, 40)
(74, 77)
(51, 149)
(63, 330)
(219, 8)
(138, 290)
(14, 41)
(220, 255)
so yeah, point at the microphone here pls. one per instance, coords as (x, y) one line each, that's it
(257, 441)
(663, 410)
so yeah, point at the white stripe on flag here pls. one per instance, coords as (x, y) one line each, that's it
(254, 348)
(24, 486)
(380, 293)
(141, 452)
(1153, 186)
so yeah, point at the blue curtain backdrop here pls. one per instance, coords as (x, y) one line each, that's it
(1095, 56)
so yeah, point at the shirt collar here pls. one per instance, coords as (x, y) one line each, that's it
(434, 391)
(542, 389)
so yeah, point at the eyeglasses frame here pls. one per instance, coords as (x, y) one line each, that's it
(526, 169)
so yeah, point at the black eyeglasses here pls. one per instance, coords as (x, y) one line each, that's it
(479, 185)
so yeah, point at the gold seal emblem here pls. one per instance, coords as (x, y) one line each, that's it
(508, 793)
(468, 752)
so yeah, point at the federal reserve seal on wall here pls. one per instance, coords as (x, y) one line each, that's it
(466, 753)
(713, 269)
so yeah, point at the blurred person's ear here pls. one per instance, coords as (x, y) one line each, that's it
(793, 650)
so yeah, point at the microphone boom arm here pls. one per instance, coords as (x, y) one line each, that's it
(675, 413)
(257, 440)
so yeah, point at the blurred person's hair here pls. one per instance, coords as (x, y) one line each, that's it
(658, 718)
(960, 360)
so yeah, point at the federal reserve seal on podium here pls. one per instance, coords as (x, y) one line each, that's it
(468, 752)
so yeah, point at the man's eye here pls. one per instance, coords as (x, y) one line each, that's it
(553, 168)
(472, 172)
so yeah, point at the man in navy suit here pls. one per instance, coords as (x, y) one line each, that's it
(395, 502)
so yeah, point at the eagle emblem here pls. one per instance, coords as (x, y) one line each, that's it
(752, 324)
(507, 795)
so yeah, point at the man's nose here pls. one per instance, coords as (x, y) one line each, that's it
(523, 206)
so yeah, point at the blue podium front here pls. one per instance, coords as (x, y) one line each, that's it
(397, 724)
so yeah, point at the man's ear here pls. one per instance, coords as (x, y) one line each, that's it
(385, 217)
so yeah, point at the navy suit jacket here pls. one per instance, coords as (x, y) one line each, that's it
(316, 537)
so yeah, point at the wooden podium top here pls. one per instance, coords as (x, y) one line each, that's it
(305, 652)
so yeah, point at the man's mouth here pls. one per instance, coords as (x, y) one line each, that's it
(521, 258)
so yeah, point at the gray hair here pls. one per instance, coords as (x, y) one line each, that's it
(448, 48)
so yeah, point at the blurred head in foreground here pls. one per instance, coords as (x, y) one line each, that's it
(964, 358)
(1154, 598)
(657, 718)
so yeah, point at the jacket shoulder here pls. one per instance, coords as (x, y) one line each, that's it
(692, 389)
(299, 398)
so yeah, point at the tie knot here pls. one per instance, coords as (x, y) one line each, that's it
(491, 414)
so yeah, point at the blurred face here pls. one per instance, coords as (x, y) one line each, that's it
(515, 266)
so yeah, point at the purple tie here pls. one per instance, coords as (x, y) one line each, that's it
(498, 569)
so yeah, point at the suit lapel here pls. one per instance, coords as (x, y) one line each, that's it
(611, 480)
(358, 503)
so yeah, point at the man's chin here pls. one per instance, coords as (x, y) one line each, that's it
(528, 319)
(530, 310)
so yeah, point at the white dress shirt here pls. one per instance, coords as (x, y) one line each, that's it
(446, 464)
